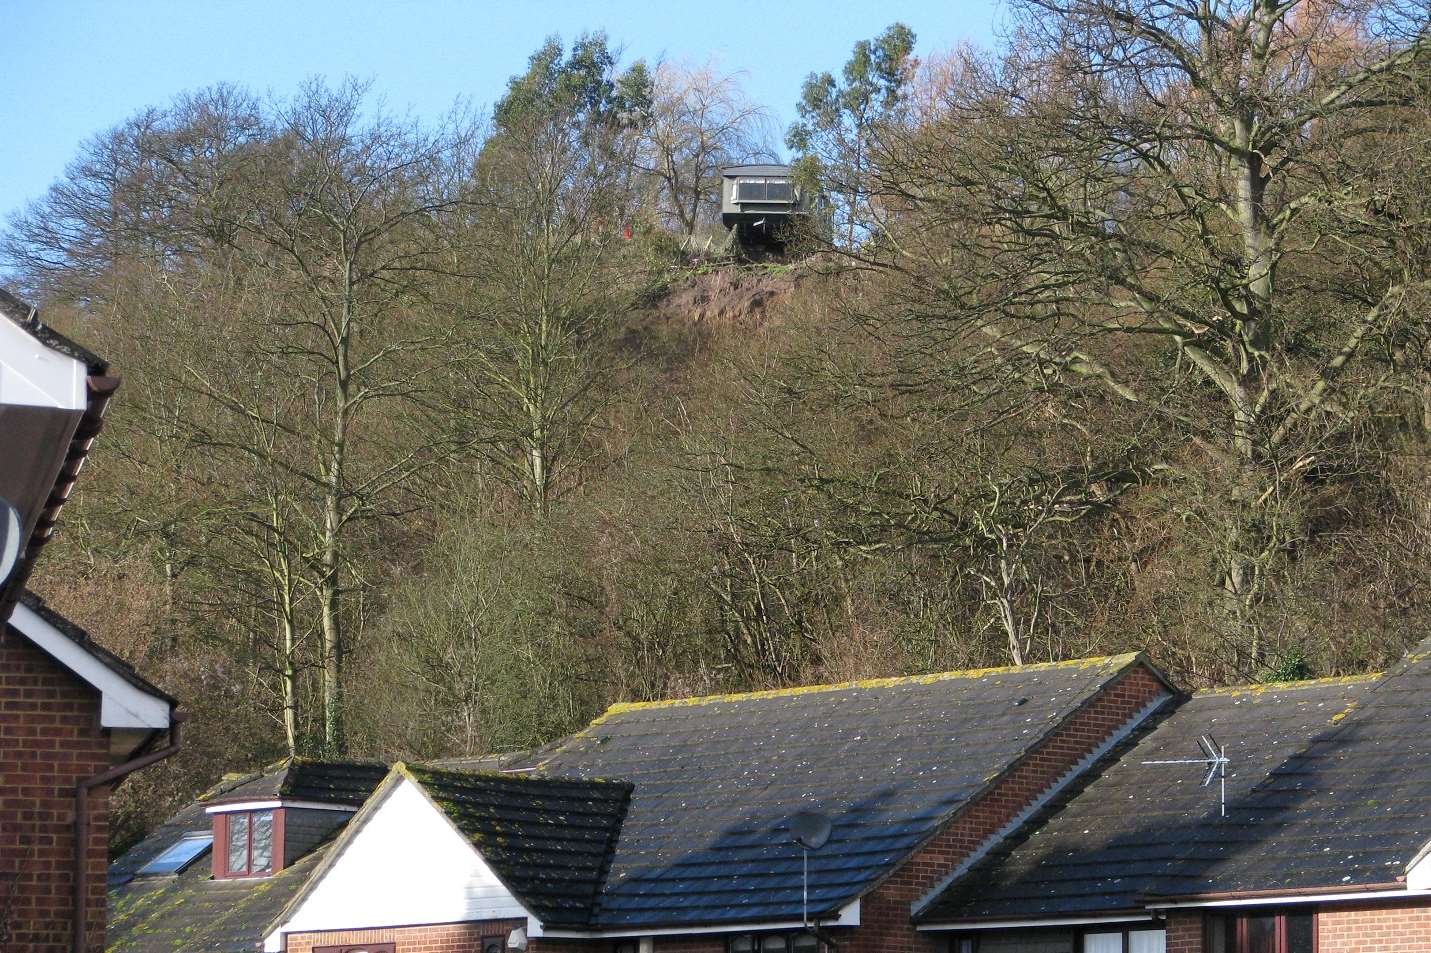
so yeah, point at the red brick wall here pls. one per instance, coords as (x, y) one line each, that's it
(1375, 928)
(1184, 932)
(50, 740)
(436, 938)
(885, 925)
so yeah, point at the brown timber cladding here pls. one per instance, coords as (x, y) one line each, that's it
(50, 740)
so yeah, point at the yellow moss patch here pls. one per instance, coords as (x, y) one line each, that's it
(1106, 661)
(1263, 687)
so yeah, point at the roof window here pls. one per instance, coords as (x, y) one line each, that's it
(179, 855)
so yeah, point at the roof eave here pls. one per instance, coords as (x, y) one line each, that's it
(1274, 894)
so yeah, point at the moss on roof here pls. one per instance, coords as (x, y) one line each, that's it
(1110, 661)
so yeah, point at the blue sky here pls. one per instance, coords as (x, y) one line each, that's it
(76, 67)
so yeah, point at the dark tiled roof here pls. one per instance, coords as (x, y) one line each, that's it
(192, 912)
(1141, 829)
(548, 839)
(82, 638)
(1352, 808)
(706, 839)
(298, 779)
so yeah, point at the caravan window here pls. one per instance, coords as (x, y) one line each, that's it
(764, 190)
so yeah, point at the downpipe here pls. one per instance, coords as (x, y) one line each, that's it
(116, 773)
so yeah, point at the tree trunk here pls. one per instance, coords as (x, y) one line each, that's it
(330, 580)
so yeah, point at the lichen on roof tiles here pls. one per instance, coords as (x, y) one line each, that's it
(706, 837)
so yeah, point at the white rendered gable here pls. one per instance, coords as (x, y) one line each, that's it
(406, 865)
(1418, 872)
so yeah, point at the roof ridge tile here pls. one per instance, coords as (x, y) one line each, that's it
(891, 681)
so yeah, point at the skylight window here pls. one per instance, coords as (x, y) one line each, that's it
(179, 855)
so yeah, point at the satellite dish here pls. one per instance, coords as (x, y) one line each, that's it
(9, 539)
(809, 829)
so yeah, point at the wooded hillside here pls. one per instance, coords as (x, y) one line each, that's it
(435, 440)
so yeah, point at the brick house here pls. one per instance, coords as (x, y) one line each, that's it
(1046, 809)
(1322, 843)
(74, 719)
(661, 826)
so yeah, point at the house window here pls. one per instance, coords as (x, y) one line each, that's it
(1263, 931)
(626, 946)
(359, 948)
(1123, 940)
(964, 944)
(788, 942)
(494, 944)
(249, 844)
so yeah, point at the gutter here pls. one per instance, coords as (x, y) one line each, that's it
(81, 824)
(1252, 898)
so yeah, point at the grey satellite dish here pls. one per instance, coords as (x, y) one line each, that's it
(9, 539)
(810, 829)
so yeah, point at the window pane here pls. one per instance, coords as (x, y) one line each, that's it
(1261, 935)
(1218, 931)
(1103, 943)
(779, 192)
(238, 843)
(262, 857)
(1148, 941)
(1299, 933)
(745, 943)
(772, 943)
(752, 191)
(179, 856)
(805, 943)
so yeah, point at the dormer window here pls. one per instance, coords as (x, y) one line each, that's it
(250, 844)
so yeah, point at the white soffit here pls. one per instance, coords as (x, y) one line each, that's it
(231, 807)
(123, 704)
(33, 375)
(846, 916)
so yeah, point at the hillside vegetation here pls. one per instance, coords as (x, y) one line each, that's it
(437, 440)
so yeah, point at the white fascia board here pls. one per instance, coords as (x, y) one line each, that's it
(33, 375)
(1273, 900)
(1046, 922)
(231, 807)
(122, 704)
(848, 916)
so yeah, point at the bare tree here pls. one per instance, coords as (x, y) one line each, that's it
(553, 187)
(700, 121)
(1134, 172)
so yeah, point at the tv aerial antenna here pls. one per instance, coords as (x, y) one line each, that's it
(1215, 759)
